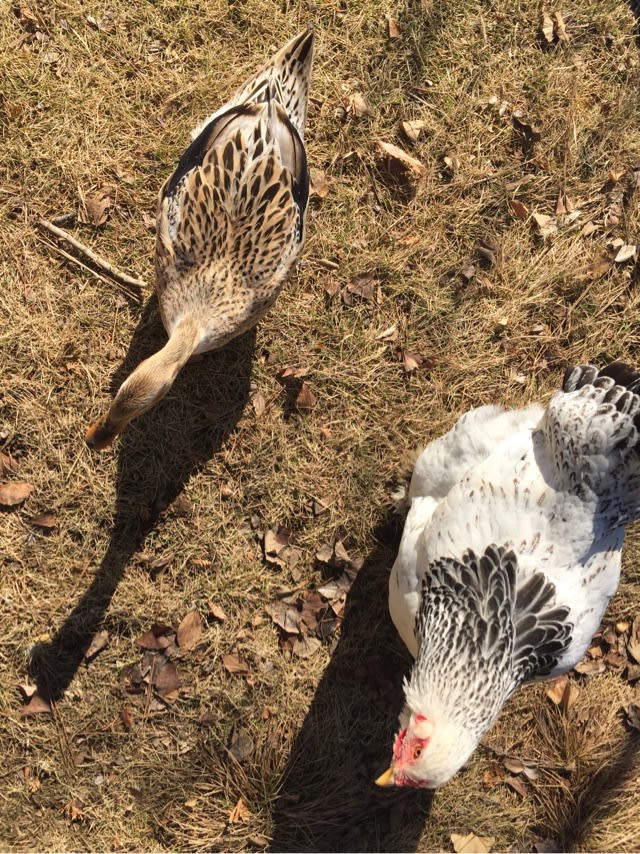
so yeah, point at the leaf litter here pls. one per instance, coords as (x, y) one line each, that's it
(307, 618)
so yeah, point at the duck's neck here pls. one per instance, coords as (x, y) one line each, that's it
(148, 384)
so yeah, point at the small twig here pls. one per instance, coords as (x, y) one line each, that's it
(130, 285)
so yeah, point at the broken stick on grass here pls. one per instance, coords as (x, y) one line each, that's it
(131, 286)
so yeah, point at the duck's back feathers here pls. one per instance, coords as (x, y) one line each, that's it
(232, 214)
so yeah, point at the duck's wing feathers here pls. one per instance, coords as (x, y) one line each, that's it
(476, 629)
(239, 193)
(591, 429)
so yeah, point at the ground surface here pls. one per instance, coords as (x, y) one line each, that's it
(246, 744)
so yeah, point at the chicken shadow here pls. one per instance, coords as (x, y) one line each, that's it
(328, 799)
(157, 455)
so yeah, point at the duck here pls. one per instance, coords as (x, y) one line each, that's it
(230, 226)
(510, 552)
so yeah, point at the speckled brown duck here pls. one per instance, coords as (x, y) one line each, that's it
(230, 227)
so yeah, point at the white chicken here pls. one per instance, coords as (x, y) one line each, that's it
(510, 553)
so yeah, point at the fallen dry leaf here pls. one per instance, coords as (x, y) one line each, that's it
(239, 812)
(36, 705)
(331, 287)
(626, 252)
(319, 183)
(98, 643)
(547, 225)
(189, 630)
(158, 637)
(278, 549)
(633, 643)
(8, 465)
(363, 286)
(14, 492)
(517, 785)
(563, 691)
(411, 361)
(413, 128)
(305, 398)
(632, 713)
(305, 646)
(234, 663)
(397, 160)
(97, 204)
(392, 27)
(547, 27)
(519, 209)
(561, 30)
(216, 612)
(357, 105)
(284, 615)
(166, 679)
(471, 844)
(46, 520)
(258, 402)
(126, 717)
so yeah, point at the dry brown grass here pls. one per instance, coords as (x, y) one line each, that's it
(82, 108)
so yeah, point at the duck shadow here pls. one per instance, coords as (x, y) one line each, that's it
(328, 799)
(157, 455)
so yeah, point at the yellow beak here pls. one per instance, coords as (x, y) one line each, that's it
(386, 779)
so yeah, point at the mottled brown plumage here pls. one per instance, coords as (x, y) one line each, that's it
(230, 227)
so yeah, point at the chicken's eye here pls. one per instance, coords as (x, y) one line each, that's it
(417, 750)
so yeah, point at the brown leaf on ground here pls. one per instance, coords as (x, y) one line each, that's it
(411, 361)
(166, 679)
(305, 646)
(493, 775)
(561, 30)
(471, 844)
(278, 549)
(320, 184)
(331, 287)
(14, 493)
(158, 637)
(518, 209)
(515, 766)
(518, 785)
(284, 615)
(364, 285)
(633, 642)
(563, 691)
(234, 663)
(357, 106)
(412, 129)
(36, 705)
(189, 630)
(8, 465)
(589, 667)
(546, 27)
(393, 27)
(239, 813)
(305, 399)
(98, 643)
(398, 162)
(216, 612)
(632, 713)
(46, 520)
(126, 717)
(97, 203)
